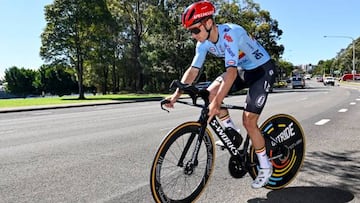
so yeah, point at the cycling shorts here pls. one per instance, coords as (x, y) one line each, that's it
(259, 81)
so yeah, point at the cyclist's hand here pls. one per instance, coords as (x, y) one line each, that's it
(170, 104)
(172, 99)
(214, 109)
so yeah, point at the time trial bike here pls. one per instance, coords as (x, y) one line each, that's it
(184, 161)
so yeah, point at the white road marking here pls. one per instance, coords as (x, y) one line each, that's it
(322, 121)
(342, 110)
(352, 103)
(357, 99)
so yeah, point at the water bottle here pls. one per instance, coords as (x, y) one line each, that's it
(234, 136)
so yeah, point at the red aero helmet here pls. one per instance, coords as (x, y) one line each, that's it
(196, 12)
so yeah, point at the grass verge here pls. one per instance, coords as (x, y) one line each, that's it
(21, 102)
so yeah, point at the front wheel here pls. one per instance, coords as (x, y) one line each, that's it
(175, 175)
(285, 146)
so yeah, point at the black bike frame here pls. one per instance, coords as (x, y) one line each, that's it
(218, 130)
(214, 124)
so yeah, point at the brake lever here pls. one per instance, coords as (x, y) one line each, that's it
(162, 102)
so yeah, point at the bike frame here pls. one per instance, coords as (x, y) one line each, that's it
(219, 132)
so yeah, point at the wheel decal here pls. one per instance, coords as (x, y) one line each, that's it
(276, 165)
(268, 130)
(281, 172)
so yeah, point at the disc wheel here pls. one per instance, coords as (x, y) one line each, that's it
(285, 147)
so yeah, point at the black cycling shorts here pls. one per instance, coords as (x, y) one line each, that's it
(259, 81)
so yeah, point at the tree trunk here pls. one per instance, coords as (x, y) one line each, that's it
(79, 70)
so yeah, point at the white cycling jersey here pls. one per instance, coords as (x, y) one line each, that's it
(235, 46)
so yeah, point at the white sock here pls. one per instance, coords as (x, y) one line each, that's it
(227, 122)
(263, 158)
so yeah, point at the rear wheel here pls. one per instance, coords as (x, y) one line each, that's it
(285, 146)
(174, 176)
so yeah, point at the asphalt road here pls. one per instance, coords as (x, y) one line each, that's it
(103, 153)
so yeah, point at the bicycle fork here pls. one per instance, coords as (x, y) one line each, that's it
(193, 162)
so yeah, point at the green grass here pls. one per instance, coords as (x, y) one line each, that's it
(9, 103)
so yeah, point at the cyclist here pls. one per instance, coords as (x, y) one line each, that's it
(247, 65)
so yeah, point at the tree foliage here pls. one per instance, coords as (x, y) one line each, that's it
(343, 61)
(56, 80)
(133, 45)
(21, 81)
(70, 33)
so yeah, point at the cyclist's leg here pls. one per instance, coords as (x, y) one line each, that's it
(255, 101)
(250, 123)
(224, 115)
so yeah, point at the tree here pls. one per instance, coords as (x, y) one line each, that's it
(20, 81)
(284, 68)
(323, 67)
(102, 57)
(168, 48)
(57, 80)
(68, 34)
(132, 13)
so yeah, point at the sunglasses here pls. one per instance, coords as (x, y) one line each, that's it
(195, 30)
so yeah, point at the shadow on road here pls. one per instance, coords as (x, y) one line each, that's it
(340, 170)
(306, 195)
(341, 167)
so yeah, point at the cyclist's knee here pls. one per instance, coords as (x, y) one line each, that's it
(213, 89)
(250, 120)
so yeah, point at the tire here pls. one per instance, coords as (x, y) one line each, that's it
(170, 182)
(287, 130)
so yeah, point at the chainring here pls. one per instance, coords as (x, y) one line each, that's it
(235, 168)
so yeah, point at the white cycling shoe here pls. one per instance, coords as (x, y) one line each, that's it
(262, 178)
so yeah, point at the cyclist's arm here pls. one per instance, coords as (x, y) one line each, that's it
(187, 78)
(191, 73)
(230, 76)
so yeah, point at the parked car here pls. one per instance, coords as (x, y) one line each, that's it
(297, 81)
(281, 83)
(350, 77)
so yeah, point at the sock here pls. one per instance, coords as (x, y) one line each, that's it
(263, 158)
(227, 122)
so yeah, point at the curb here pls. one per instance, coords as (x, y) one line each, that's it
(64, 106)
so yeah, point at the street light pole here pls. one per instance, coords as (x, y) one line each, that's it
(353, 60)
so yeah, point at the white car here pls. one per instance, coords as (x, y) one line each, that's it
(329, 81)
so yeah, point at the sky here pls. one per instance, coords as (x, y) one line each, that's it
(304, 25)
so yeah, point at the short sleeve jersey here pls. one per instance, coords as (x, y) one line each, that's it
(235, 46)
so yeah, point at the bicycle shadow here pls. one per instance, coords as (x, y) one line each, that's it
(337, 165)
(306, 195)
